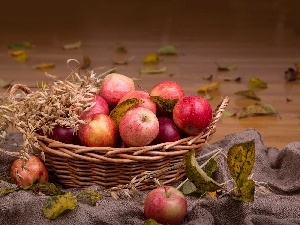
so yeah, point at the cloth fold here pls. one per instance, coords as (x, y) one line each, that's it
(277, 196)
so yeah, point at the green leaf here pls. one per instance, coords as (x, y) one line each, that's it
(19, 45)
(89, 197)
(248, 94)
(256, 110)
(167, 50)
(119, 111)
(197, 175)
(7, 190)
(46, 188)
(56, 205)
(166, 104)
(255, 82)
(246, 192)
(240, 161)
(152, 71)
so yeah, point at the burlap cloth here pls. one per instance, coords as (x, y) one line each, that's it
(279, 169)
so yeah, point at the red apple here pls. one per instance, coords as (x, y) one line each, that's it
(138, 127)
(65, 135)
(36, 173)
(148, 103)
(100, 106)
(168, 90)
(168, 131)
(166, 205)
(114, 87)
(192, 114)
(99, 131)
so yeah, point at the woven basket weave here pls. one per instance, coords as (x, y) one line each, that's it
(80, 166)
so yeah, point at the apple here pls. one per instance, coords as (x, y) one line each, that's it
(99, 131)
(168, 131)
(167, 89)
(192, 114)
(65, 135)
(36, 171)
(101, 106)
(138, 127)
(114, 86)
(166, 205)
(143, 95)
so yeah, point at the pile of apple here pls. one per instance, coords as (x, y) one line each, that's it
(145, 124)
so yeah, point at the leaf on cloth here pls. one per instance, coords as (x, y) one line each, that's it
(151, 58)
(255, 82)
(226, 68)
(72, 46)
(46, 188)
(167, 50)
(197, 175)
(166, 104)
(240, 161)
(209, 87)
(43, 66)
(20, 45)
(19, 55)
(248, 94)
(89, 197)
(56, 205)
(4, 84)
(150, 222)
(153, 71)
(7, 190)
(257, 109)
(119, 111)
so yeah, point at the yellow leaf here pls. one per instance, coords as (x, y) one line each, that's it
(151, 58)
(255, 82)
(256, 110)
(19, 55)
(166, 104)
(43, 66)
(210, 87)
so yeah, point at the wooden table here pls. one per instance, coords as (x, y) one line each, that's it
(262, 38)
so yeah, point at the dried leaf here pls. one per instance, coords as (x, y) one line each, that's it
(228, 114)
(256, 110)
(120, 48)
(19, 55)
(226, 68)
(255, 82)
(197, 175)
(292, 75)
(240, 161)
(7, 190)
(151, 58)
(248, 93)
(119, 111)
(43, 66)
(209, 87)
(56, 205)
(19, 45)
(72, 46)
(153, 71)
(46, 188)
(89, 197)
(167, 50)
(86, 62)
(231, 78)
(4, 84)
(166, 104)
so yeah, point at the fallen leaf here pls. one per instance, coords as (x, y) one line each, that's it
(56, 205)
(228, 114)
(248, 94)
(89, 197)
(19, 45)
(119, 111)
(167, 50)
(86, 62)
(4, 84)
(19, 55)
(151, 58)
(166, 104)
(231, 78)
(256, 110)
(43, 66)
(46, 188)
(209, 87)
(120, 48)
(153, 71)
(255, 82)
(291, 74)
(72, 46)
(226, 68)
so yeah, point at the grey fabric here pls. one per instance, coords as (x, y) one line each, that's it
(278, 204)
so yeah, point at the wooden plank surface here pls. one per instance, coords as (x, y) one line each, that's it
(261, 37)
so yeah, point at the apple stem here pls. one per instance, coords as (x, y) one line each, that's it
(166, 192)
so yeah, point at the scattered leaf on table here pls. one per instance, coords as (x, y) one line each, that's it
(72, 46)
(89, 197)
(289, 99)
(19, 45)
(4, 84)
(43, 66)
(248, 94)
(120, 48)
(166, 104)
(231, 78)
(167, 50)
(226, 68)
(56, 205)
(86, 62)
(19, 55)
(151, 58)
(150, 222)
(119, 111)
(228, 114)
(256, 110)
(208, 77)
(240, 161)
(291, 74)
(197, 175)
(153, 71)
(255, 82)
(209, 87)
(297, 66)
(123, 61)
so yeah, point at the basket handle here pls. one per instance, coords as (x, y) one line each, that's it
(22, 87)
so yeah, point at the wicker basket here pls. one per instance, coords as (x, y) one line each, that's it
(80, 166)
